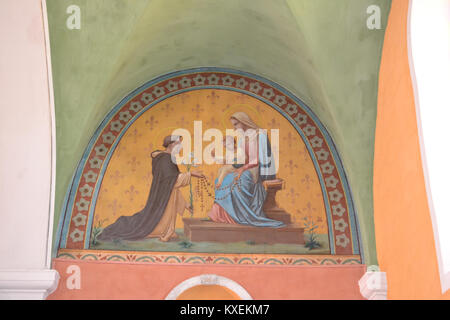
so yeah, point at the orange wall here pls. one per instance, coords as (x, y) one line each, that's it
(116, 280)
(208, 292)
(403, 229)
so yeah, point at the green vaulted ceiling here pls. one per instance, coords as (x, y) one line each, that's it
(320, 50)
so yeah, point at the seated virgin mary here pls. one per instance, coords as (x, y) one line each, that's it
(240, 197)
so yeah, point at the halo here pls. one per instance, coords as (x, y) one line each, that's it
(250, 110)
(161, 134)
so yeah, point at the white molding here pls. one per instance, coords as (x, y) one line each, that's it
(53, 133)
(209, 279)
(27, 284)
(373, 284)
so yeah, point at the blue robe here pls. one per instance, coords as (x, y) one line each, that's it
(243, 199)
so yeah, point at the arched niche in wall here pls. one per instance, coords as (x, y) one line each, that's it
(113, 178)
(208, 287)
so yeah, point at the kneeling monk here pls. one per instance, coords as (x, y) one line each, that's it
(157, 219)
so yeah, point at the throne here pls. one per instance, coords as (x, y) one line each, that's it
(270, 207)
(200, 230)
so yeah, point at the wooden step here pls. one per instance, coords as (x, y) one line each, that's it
(279, 215)
(200, 230)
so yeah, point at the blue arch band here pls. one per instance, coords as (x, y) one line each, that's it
(64, 222)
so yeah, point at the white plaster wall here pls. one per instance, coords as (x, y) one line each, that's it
(25, 137)
(429, 55)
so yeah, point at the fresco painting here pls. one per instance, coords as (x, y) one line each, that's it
(282, 197)
(293, 199)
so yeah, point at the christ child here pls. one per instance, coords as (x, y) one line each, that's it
(230, 145)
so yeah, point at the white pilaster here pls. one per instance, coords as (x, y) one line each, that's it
(27, 152)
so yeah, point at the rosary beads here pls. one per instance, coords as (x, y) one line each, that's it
(203, 185)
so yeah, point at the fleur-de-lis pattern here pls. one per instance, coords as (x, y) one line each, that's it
(168, 109)
(290, 139)
(133, 163)
(131, 167)
(309, 210)
(115, 207)
(213, 97)
(132, 192)
(116, 177)
(151, 122)
(197, 110)
(136, 136)
(291, 165)
(212, 122)
(307, 181)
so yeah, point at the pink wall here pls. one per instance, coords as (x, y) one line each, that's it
(117, 280)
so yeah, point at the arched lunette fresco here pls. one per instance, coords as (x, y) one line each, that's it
(77, 222)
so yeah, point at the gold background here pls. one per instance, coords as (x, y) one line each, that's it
(127, 180)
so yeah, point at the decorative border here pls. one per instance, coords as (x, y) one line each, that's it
(78, 209)
(205, 258)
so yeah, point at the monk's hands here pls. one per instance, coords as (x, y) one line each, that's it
(197, 174)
